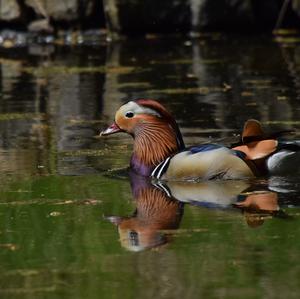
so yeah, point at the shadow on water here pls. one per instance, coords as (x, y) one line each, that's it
(54, 240)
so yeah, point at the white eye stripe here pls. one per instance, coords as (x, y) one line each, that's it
(150, 111)
(137, 109)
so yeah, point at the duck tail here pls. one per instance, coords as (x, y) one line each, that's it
(286, 159)
(268, 154)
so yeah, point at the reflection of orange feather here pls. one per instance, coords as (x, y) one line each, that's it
(154, 206)
(154, 210)
(257, 206)
(266, 201)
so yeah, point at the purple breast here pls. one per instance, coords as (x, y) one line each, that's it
(140, 167)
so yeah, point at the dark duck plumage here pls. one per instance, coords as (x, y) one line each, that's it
(159, 149)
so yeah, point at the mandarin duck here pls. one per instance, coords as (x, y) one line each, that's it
(159, 150)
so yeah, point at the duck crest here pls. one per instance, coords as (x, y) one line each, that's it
(167, 117)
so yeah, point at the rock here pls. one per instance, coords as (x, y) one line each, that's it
(112, 17)
(133, 17)
(9, 10)
(296, 5)
(222, 14)
(58, 10)
(172, 16)
(66, 10)
(42, 25)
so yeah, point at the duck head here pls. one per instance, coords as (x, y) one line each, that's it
(155, 132)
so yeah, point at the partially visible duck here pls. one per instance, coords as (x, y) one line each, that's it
(159, 150)
(267, 152)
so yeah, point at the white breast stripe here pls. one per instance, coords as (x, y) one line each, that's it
(162, 168)
(163, 188)
(156, 168)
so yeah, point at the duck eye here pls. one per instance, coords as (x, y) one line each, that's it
(129, 114)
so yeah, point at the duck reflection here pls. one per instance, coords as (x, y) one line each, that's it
(155, 212)
(256, 202)
(160, 206)
(211, 194)
(259, 206)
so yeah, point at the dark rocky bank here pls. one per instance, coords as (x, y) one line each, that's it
(132, 17)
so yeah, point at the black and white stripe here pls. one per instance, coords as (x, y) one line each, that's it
(160, 169)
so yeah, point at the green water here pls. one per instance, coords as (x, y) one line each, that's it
(61, 187)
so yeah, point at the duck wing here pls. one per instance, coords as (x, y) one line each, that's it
(204, 162)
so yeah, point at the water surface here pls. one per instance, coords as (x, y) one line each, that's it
(73, 225)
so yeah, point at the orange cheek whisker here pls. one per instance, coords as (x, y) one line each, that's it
(154, 143)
